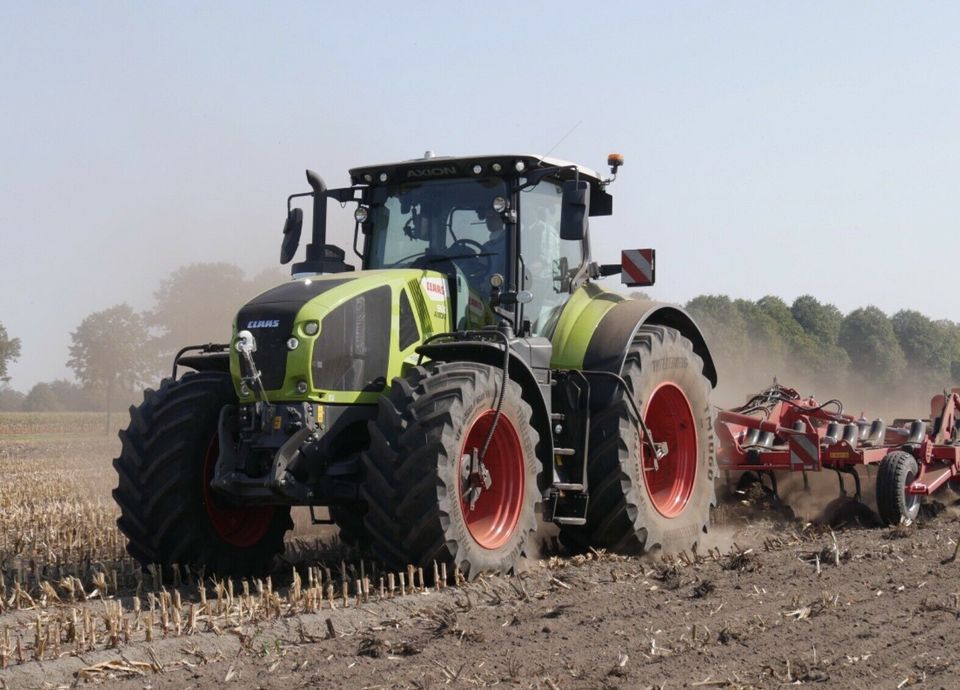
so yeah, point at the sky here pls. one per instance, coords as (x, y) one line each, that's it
(777, 148)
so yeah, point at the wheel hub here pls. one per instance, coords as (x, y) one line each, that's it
(476, 478)
(670, 467)
(491, 488)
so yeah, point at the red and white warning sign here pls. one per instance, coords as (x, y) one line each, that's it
(638, 267)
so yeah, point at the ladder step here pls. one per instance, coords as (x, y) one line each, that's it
(570, 521)
(564, 451)
(568, 487)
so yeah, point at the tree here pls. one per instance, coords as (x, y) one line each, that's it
(197, 303)
(10, 400)
(822, 321)
(9, 352)
(110, 353)
(875, 354)
(42, 398)
(928, 345)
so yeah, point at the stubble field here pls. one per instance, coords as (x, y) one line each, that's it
(771, 600)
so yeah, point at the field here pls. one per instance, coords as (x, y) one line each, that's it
(770, 601)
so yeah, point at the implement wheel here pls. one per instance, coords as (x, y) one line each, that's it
(897, 471)
(429, 497)
(636, 501)
(168, 511)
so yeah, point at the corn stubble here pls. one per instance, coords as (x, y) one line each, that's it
(67, 585)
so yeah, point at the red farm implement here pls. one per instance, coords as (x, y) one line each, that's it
(780, 431)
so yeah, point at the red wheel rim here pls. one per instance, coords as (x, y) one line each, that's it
(670, 420)
(240, 527)
(495, 515)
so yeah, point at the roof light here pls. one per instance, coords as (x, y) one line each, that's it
(520, 166)
(496, 167)
(477, 169)
(499, 204)
(367, 177)
(383, 177)
(311, 327)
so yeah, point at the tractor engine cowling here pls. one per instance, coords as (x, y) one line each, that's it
(340, 338)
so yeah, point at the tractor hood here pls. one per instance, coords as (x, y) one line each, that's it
(340, 338)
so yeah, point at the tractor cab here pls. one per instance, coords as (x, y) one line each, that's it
(509, 232)
(483, 219)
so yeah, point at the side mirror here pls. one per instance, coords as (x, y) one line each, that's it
(574, 215)
(291, 235)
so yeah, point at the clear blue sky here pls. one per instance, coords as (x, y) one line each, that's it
(771, 147)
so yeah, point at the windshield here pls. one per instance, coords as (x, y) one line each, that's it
(439, 223)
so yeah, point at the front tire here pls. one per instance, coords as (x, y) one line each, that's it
(168, 511)
(416, 482)
(637, 504)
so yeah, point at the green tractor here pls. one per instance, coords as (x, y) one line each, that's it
(471, 376)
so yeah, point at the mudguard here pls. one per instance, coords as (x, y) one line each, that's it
(598, 325)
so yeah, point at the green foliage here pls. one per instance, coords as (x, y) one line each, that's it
(42, 398)
(928, 345)
(110, 353)
(10, 399)
(9, 352)
(53, 396)
(812, 345)
(822, 321)
(875, 353)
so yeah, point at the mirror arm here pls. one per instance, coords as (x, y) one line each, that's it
(294, 196)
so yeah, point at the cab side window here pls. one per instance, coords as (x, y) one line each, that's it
(549, 262)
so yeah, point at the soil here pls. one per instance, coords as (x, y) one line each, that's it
(776, 602)
(770, 600)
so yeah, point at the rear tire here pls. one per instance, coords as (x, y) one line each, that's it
(414, 484)
(168, 511)
(632, 510)
(897, 471)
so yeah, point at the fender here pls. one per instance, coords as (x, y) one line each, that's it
(492, 354)
(607, 348)
(218, 361)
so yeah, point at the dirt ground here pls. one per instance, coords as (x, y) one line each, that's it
(770, 600)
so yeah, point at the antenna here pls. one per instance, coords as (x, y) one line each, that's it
(561, 140)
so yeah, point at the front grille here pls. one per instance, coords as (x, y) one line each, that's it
(416, 292)
(409, 334)
(352, 351)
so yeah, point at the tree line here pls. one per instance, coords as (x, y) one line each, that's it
(864, 354)
(117, 351)
(895, 362)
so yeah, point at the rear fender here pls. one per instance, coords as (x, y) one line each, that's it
(597, 327)
(607, 349)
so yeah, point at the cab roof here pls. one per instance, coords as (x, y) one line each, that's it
(431, 167)
(506, 166)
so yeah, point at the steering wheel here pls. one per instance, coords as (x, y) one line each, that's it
(465, 242)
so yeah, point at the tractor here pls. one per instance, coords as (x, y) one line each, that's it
(470, 379)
